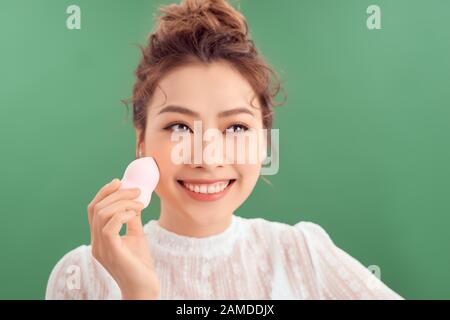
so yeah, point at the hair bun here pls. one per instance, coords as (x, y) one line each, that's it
(194, 16)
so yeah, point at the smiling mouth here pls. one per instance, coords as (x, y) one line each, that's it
(206, 188)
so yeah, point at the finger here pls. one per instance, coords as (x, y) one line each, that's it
(110, 232)
(124, 194)
(106, 190)
(134, 226)
(104, 215)
(103, 192)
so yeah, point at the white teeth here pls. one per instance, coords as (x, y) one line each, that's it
(207, 188)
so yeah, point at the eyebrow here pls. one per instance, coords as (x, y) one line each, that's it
(189, 112)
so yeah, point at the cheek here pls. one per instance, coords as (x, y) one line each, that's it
(160, 149)
(247, 178)
(249, 174)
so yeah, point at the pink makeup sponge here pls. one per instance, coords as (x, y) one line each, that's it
(142, 173)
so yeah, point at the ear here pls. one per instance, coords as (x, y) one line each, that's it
(140, 145)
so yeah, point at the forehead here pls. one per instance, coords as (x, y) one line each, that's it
(197, 85)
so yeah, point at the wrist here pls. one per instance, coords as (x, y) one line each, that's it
(140, 295)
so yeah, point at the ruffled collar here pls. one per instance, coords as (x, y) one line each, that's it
(166, 242)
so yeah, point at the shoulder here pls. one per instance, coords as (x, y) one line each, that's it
(311, 258)
(65, 276)
(303, 243)
(306, 232)
(77, 275)
(74, 256)
(313, 234)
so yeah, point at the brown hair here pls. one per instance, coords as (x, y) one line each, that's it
(201, 31)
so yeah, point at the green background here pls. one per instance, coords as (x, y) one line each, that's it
(364, 134)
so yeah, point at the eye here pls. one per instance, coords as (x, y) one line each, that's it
(178, 127)
(236, 128)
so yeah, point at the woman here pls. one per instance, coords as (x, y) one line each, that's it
(200, 65)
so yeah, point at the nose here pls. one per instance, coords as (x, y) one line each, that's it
(208, 149)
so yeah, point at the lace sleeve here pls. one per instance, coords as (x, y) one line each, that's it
(340, 276)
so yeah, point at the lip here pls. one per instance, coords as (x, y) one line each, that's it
(203, 181)
(204, 196)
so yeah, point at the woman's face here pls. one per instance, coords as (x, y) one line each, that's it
(191, 192)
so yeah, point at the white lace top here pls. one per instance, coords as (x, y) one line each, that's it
(251, 259)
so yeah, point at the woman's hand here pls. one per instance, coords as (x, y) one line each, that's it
(127, 258)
